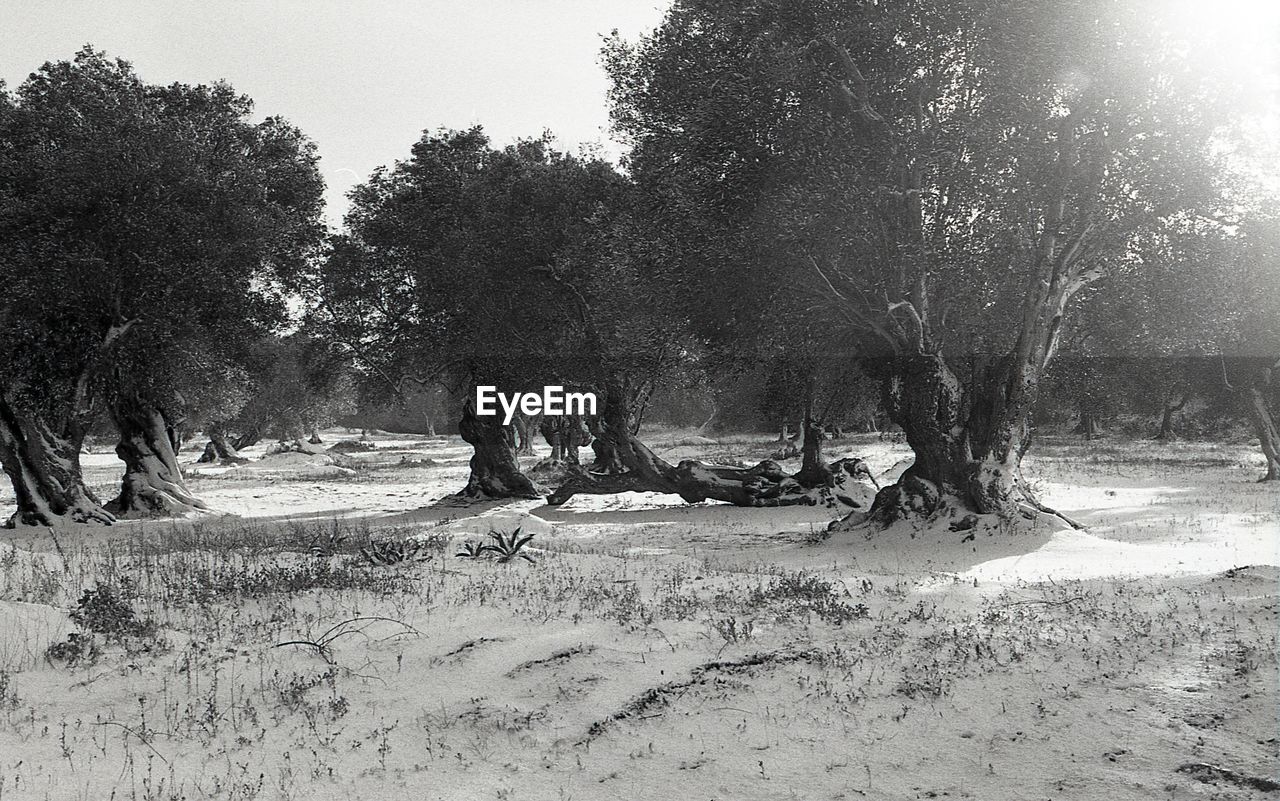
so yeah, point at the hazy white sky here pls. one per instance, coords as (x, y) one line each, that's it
(363, 77)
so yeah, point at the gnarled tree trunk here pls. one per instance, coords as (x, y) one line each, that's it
(1257, 402)
(619, 417)
(607, 458)
(968, 441)
(247, 438)
(495, 468)
(565, 434)
(1265, 426)
(766, 484)
(219, 448)
(153, 484)
(579, 435)
(524, 428)
(1256, 399)
(44, 468)
(554, 436)
(813, 471)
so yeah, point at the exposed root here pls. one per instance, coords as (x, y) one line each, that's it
(1212, 774)
(563, 655)
(642, 705)
(910, 498)
(467, 646)
(763, 485)
(1030, 500)
(915, 498)
(154, 496)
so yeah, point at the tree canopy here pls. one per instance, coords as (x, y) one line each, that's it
(149, 233)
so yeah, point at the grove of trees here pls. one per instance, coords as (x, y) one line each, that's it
(962, 220)
(149, 235)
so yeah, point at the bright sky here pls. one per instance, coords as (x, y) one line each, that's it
(363, 78)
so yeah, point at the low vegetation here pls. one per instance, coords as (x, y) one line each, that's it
(623, 657)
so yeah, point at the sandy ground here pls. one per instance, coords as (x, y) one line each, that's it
(652, 649)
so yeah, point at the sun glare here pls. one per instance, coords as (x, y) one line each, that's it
(1245, 31)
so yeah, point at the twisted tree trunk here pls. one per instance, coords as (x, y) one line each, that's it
(813, 471)
(565, 435)
(153, 485)
(495, 468)
(247, 438)
(1257, 398)
(1264, 425)
(607, 459)
(44, 468)
(766, 484)
(524, 428)
(219, 448)
(968, 442)
(554, 436)
(617, 416)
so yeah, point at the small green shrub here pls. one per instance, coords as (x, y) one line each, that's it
(382, 553)
(102, 611)
(472, 550)
(509, 546)
(504, 547)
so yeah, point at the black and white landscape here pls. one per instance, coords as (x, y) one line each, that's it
(773, 399)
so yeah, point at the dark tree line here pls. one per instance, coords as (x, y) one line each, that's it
(951, 218)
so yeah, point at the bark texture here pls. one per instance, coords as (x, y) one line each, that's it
(1256, 397)
(814, 472)
(247, 438)
(44, 468)
(153, 485)
(1264, 425)
(219, 448)
(968, 441)
(565, 435)
(495, 468)
(524, 428)
(765, 484)
(968, 436)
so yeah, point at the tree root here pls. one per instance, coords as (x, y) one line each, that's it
(642, 704)
(1034, 505)
(764, 485)
(1210, 774)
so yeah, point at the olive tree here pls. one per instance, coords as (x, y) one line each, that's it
(948, 179)
(147, 230)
